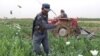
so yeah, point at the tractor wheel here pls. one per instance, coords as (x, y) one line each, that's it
(62, 32)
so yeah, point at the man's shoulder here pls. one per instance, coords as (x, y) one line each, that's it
(38, 16)
(65, 13)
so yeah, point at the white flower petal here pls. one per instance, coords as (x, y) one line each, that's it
(67, 43)
(16, 33)
(80, 55)
(94, 52)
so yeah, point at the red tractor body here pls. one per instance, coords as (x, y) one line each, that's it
(65, 27)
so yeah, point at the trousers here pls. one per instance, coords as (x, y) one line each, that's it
(38, 40)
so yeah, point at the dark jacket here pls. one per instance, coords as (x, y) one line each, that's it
(40, 24)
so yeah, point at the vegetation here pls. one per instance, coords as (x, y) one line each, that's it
(16, 40)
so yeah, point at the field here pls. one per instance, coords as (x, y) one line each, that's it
(16, 40)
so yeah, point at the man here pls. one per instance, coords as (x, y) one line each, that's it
(63, 14)
(39, 30)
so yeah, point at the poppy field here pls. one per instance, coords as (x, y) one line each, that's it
(16, 40)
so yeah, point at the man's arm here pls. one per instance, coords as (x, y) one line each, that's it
(33, 26)
(47, 26)
(32, 30)
(44, 24)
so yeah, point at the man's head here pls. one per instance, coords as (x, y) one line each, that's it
(45, 8)
(62, 11)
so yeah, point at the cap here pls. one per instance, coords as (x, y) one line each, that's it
(46, 6)
(62, 10)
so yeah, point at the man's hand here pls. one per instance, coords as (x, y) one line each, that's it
(57, 23)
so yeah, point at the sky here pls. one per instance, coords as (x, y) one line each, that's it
(30, 8)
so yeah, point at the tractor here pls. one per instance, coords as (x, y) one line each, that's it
(66, 27)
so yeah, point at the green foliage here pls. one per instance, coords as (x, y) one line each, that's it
(89, 24)
(19, 43)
